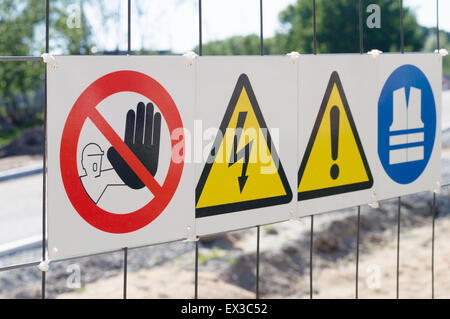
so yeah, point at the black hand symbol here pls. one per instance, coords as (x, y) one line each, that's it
(142, 141)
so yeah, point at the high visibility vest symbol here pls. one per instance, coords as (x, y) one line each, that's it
(406, 124)
(407, 129)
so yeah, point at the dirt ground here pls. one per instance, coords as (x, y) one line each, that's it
(377, 277)
(161, 282)
(377, 269)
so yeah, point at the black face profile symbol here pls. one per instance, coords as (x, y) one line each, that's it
(142, 136)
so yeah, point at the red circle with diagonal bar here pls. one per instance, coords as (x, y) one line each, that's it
(84, 108)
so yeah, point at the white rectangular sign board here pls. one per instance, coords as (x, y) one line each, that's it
(251, 105)
(369, 128)
(145, 150)
(408, 117)
(117, 176)
(337, 103)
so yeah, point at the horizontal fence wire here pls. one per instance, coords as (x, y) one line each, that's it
(19, 266)
(20, 58)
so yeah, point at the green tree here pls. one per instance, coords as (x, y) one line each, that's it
(338, 27)
(237, 45)
(337, 24)
(444, 42)
(245, 45)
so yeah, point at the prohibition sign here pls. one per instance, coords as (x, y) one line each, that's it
(84, 108)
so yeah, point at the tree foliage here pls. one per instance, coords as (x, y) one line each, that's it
(237, 45)
(22, 33)
(444, 42)
(337, 24)
(338, 27)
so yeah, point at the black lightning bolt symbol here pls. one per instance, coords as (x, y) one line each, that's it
(243, 153)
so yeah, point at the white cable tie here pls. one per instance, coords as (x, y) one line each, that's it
(442, 52)
(374, 53)
(293, 216)
(437, 188)
(44, 265)
(50, 60)
(191, 235)
(374, 203)
(294, 55)
(190, 57)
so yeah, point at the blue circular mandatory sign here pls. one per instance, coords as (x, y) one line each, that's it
(406, 124)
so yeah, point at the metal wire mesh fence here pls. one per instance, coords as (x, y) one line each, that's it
(125, 250)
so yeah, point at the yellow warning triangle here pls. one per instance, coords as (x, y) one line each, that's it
(243, 170)
(334, 161)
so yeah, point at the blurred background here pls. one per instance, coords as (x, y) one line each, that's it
(171, 27)
(226, 262)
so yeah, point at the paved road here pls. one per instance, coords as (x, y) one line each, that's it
(21, 209)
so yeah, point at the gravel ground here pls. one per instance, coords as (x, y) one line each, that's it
(25, 283)
(226, 263)
(231, 257)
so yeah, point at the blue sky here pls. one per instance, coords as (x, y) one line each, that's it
(173, 24)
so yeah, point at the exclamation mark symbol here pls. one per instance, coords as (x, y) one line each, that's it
(334, 128)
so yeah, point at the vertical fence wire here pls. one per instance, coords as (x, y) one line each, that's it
(314, 28)
(200, 41)
(361, 39)
(257, 261)
(44, 160)
(129, 27)
(402, 48)
(357, 252)
(437, 25)
(358, 223)
(125, 249)
(433, 211)
(196, 271)
(398, 246)
(261, 29)
(125, 271)
(311, 245)
(402, 30)
(200, 52)
(434, 193)
(258, 229)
